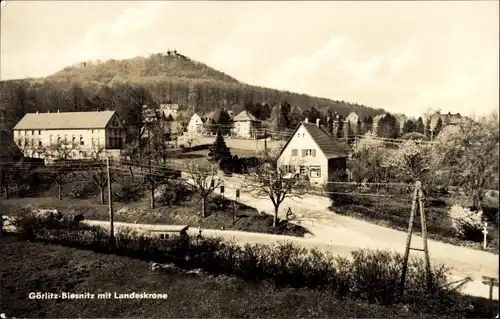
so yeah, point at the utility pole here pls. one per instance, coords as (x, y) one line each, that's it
(110, 204)
(265, 141)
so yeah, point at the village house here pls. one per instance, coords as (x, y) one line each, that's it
(246, 125)
(195, 125)
(352, 118)
(312, 152)
(447, 119)
(170, 110)
(37, 133)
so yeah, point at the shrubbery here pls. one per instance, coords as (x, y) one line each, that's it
(129, 190)
(239, 165)
(175, 194)
(372, 276)
(466, 223)
(83, 190)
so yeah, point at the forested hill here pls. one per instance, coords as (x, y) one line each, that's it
(124, 85)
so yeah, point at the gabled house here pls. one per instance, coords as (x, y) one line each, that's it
(312, 152)
(195, 125)
(352, 118)
(170, 110)
(37, 133)
(246, 125)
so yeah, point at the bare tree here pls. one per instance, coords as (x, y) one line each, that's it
(203, 180)
(190, 138)
(269, 181)
(61, 153)
(98, 170)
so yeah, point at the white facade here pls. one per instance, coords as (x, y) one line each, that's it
(37, 142)
(353, 118)
(195, 125)
(246, 129)
(302, 154)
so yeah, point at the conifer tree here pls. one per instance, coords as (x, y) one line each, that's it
(219, 149)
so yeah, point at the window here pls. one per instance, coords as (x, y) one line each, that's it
(93, 131)
(303, 170)
(73, 140)
(20, 142)
(98, 141)
(39, 132)
(285, 169)
(33, 142)
(81, 140)
(58, 139)
(65, 138)
(93, 142)
(315, 171)
(308, 152)
(39, 143)
(26, 142)
(32, 132)
(50, 139)
(295, 152)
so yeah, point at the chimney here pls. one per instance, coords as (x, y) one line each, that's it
(57, 111)
(317, 122)
(306, 120)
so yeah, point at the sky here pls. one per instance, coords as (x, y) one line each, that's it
(406, 57)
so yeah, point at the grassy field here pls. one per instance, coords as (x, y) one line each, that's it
(394, 212)
(35, 267)
(186, 212)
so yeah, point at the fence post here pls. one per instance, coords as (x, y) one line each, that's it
(485, 233)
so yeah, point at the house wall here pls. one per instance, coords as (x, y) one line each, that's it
(111, 137)
(303, 141)
(245, 129)
(195, 124)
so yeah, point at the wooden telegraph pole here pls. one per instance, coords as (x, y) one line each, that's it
(110, 205)
(417, 200)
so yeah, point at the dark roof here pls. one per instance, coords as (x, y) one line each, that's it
(331, 148)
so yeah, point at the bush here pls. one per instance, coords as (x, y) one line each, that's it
(129, 190)
(175, 194)
(370, 275)
(83, 190)
(467, 224)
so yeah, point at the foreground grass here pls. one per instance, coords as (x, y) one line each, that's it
(30, 267)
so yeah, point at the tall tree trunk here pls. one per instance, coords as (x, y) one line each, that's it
(203, 207)
(59, 191)
(275, 217)
(102, 195)
(152, 197)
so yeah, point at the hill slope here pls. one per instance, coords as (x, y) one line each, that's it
(123, 84)
(157, 66)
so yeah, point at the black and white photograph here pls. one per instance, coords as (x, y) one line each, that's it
(249, 159)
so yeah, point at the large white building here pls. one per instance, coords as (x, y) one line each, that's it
(82, 133)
